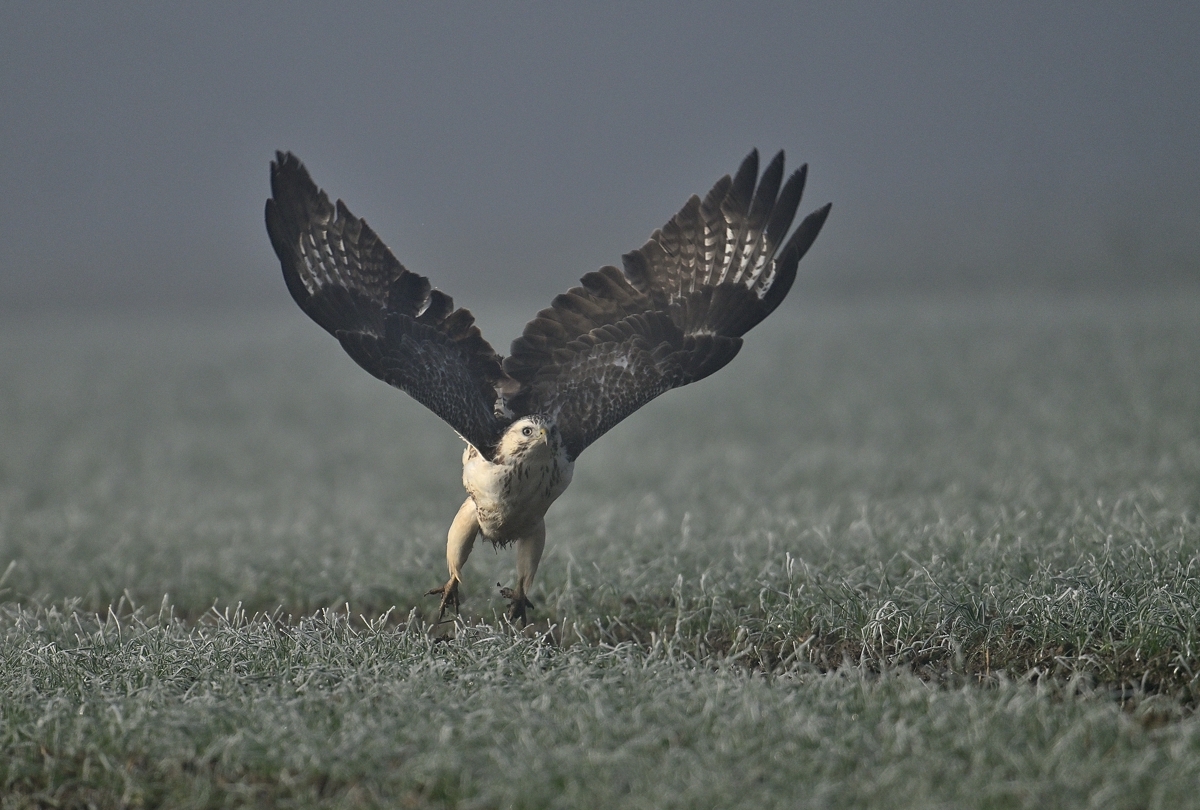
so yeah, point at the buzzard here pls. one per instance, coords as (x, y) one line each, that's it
(600, 351)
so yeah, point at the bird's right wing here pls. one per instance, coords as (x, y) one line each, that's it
(389, 320)
(676, 314)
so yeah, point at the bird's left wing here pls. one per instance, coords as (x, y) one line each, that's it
(677, 312)
(388, 319)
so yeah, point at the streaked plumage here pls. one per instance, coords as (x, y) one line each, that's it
(600, 351)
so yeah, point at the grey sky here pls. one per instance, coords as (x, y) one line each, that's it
(504, 150)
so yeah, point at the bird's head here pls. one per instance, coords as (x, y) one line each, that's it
(529, 436)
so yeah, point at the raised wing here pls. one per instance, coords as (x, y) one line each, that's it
(676, 314)
(389, 320)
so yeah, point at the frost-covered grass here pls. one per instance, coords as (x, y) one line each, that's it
(914, 555)
(321, 713)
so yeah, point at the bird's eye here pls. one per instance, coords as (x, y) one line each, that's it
(526, 431)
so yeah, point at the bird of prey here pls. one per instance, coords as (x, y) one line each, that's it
(600, 351)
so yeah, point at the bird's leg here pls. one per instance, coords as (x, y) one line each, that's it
(459, 541)
(529, 554)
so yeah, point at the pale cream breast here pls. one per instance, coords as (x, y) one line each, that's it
(511, 495)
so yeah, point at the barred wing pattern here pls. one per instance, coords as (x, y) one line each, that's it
(389, 320)
(675, 315)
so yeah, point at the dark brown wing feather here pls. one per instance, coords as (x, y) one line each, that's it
(676, 314)
(389, 320)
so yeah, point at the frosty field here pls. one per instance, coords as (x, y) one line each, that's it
(916, 554)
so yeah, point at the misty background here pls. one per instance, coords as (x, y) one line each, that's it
(505, 149)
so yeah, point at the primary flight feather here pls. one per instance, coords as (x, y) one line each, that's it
(600, 351)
